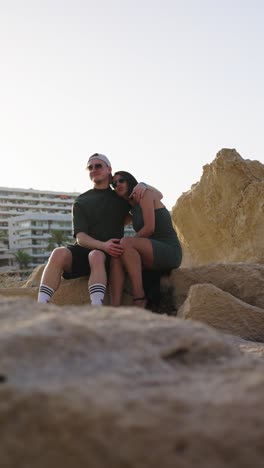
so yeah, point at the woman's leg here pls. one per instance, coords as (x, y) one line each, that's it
(116, 281)
(138, 252)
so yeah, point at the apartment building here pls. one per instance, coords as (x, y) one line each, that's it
(32, 233)
(129, 231)
(15, 202)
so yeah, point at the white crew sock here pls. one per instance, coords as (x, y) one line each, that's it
(97, 293)
(45, 294)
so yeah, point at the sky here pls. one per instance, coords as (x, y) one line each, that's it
(159, 86)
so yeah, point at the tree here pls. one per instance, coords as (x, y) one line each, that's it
(3, 237)
(57, 239)
(22, 258)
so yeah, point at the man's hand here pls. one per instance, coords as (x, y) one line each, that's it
(138, 192)
(113, 247)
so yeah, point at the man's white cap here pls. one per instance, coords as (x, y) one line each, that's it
(102, 157)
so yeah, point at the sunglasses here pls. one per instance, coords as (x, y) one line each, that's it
(95, 166)
(120, 181)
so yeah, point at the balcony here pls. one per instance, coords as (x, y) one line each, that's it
(40, 255)
(21, 207)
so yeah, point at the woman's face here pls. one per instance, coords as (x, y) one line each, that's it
(120, 185)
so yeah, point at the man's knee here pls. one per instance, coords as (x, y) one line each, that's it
(96, 258)
(61, 257)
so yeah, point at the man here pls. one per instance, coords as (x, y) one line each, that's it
(98, 225)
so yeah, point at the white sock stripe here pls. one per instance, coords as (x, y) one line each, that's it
(46, 290)
(97, 288)
(96, 285)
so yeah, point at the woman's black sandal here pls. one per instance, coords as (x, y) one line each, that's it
(141, 299)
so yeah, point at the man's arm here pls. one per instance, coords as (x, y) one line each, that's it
(111, 247)
(140, 189)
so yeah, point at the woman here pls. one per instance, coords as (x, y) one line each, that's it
(155, 246)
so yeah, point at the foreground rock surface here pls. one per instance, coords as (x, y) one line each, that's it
(101, 387)
(221, 218)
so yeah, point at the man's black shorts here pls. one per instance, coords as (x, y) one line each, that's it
(80, 262)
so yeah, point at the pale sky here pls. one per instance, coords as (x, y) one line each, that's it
(159, 86)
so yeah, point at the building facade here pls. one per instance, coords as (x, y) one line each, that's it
(32, 233)
(16, 202)
(129, 231)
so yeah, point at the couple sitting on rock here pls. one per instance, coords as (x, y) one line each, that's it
(99, 216)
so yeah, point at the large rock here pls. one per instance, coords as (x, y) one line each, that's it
(103, 387)
(35, 277)
(223, 311)
(243, 280)
(221, 219)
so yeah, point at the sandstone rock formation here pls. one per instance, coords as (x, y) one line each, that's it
(243, 280)
(223, 311)
(221, 219)
(103, 387)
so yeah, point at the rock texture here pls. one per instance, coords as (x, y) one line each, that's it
(103, 387)
(221, 219)
(223, 311)
(70, 291)
(243, 280)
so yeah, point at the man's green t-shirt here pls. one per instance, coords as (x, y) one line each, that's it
(100, 214)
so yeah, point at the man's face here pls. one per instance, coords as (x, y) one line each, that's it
(98, 171)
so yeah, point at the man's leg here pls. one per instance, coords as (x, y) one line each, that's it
(98, 277)
(60, 260)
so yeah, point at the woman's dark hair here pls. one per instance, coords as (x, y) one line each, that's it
(131, 181)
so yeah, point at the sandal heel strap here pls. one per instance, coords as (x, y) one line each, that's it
(139, 298)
